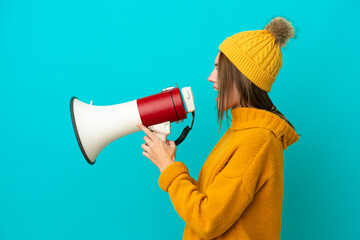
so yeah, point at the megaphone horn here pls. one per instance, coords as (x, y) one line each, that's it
(97, 126)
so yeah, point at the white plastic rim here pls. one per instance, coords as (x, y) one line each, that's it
(97, 126)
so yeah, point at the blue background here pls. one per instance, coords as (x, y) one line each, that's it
(116, 51)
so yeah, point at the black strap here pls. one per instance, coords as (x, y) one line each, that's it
(185, 132)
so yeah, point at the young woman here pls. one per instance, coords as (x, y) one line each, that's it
(239, 191)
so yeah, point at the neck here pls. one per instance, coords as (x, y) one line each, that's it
(239, 106)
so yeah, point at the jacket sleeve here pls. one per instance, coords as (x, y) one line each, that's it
(213, 212)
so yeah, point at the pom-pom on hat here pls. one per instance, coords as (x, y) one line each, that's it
(257, 53)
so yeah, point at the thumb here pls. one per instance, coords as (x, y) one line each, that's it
(172, 144)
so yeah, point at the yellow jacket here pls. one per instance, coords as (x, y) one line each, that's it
(240, 187)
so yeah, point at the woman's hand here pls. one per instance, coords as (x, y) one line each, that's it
(160, 153)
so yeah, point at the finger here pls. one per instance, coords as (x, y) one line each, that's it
(146, 155)
(146, 130)
(146, 148)
(148, 140)
(172, 145)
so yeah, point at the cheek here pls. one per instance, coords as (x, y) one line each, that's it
(215, 76)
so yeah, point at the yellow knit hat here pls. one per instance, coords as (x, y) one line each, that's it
(257, 53)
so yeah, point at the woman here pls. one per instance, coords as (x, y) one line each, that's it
(240, 187)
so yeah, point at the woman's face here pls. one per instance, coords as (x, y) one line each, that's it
(213, 76)
(234, 97)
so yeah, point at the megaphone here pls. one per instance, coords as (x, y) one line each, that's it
(97, 126)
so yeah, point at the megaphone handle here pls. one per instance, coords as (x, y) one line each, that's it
(161, 136)
(161, 130)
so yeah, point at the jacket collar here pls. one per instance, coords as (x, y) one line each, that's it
(245, 117)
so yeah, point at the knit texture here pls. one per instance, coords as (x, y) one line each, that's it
(240, 188)
(256, 54)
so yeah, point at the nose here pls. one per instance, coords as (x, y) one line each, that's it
(212, 77)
